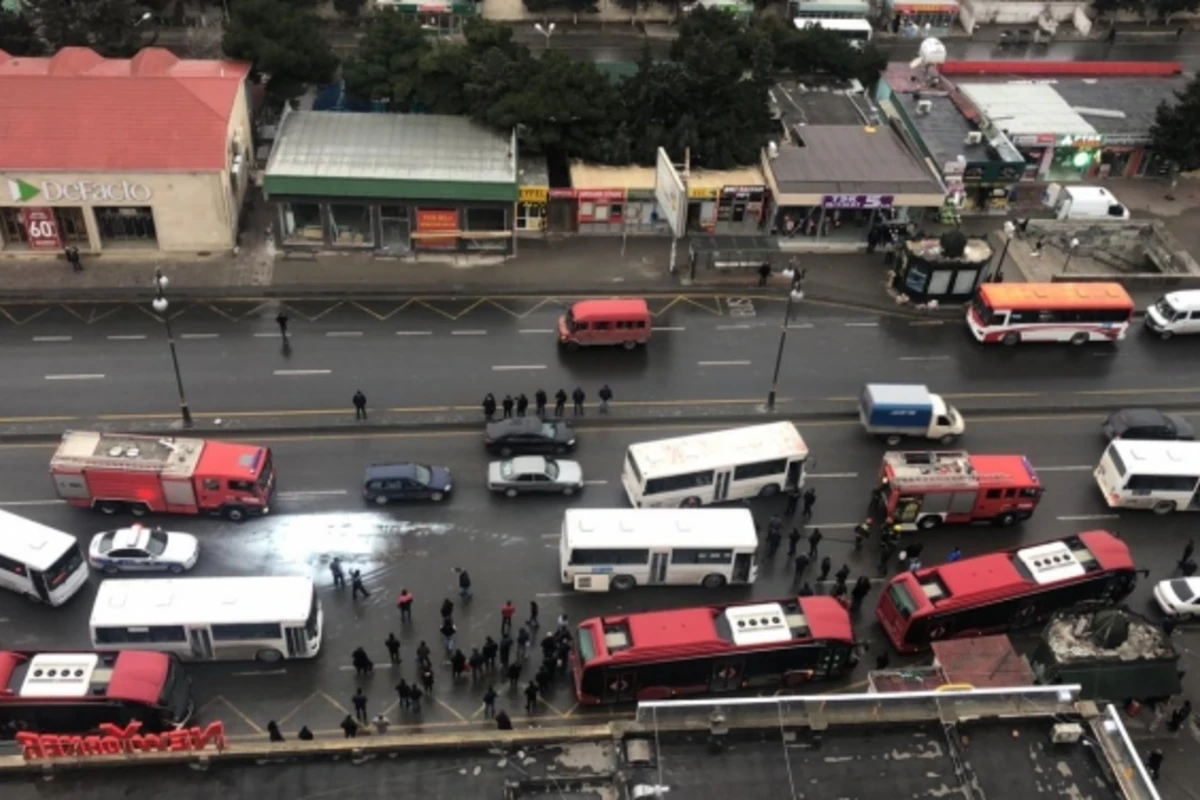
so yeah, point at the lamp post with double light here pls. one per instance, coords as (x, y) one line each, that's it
(545, 30)
(160, 304)
(1010, 230)
(795, 292)
(1070, 252)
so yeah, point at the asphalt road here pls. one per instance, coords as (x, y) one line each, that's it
(510, 548)
(113, 360)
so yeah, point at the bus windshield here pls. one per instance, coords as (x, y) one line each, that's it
(264, 475)
(901, 599)
(63, 568)
(587, 647)
(176, 697)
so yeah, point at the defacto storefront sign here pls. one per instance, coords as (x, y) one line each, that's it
(115, 740)
(83, 192)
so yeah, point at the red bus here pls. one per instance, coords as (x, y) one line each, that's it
(664, 654)
(75, 692)
(1008, 589)
(927, 489)
(1050, 312)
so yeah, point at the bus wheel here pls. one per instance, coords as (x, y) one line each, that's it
(937, 633)
(33, 598)
(713, 581)
(623, 583)
(572, 345)
(690, 502)
(770, 490)
(928, 523)
(437, 497)
(139, 509)
(1010, 338)
(109, 508)
(1164, 335)
(1005, 520)
(1164, 507)
(629, 344)
(1080, 338)
(235, 513)
(893, 439)
(269, 656)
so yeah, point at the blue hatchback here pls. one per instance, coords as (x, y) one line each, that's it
(405, 480)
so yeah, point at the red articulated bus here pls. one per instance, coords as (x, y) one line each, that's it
(927, 489)
(1008, 589)
(688, 651)
(76, 692)
(117, 472)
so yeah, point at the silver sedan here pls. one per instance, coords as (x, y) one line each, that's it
(530, 474)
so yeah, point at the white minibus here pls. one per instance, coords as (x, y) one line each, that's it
(621, 548)
(855, 31)
(210, 619)
(1176, 312)
(690, 471)
(1161, 476)
(44, 564)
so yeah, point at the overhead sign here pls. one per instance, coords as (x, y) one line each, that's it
(670, 193)
(22, 191)
(41, 228)
(857, 200)
(115, 740)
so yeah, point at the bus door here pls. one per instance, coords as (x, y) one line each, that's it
(727, 674)
(297, 645)
(721, 486)
(201, 642)
(620, 686)
(659, 561)
(794, 474)
(39, 585)
(742, 562)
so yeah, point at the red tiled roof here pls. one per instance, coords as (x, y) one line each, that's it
(81, 112)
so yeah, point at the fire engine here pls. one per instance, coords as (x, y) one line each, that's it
(117, 472)
(927, 489)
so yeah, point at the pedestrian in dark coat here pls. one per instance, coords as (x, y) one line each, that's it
(489, 703)
(356, 585)
(273, 732)
(505, 650)
(523, 640)
(531, 697)
(564, 655)
(507, 405)
(489, 653)
(805, 590)
(335, 569)
(447, 608)
(476, 662)
(774, 538)
(423, 652)
(539, 402)
(793, 502)
(514, 675)
(362, 662)
(810, 499)
(305, 735)
(360, 405)
(464, 585)
(826, 566)
(606, 396)
(532, 622)
(1179, 716)
(349, 727)
(393, 647)
(415, 693)
(404, 692)
(793, 541)
(1155, 759)
(814, 539)
(448, 630)
(862, 588)
(549, 646)
(458, 664)
(801, 563)
(842, 575)
(578, 397)
(764, 274)
(522, 404)
(503, 721)
(489, 406)
(360, 704)
(1188, 550)
(560, 403)
(426, 682)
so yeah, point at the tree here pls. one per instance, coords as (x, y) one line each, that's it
(17, 35)
(349, 8)
(953, 243)
(386, 65)
(282, 41)
(1173, 134)
(110, 27)
(1168, 8)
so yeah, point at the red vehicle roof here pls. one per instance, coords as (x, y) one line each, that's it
(1013, 469)
(8, 664)
(78, 111)
(231, 458)
(139, 676)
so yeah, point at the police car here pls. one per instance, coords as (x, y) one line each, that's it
(142, 549)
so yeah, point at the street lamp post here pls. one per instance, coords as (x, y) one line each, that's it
(160, 304)
(1009, 231)
(545, 30)
(795, 292)
(1070, 252)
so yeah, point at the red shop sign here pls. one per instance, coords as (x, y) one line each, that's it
(115, 740)
(600, 195)
(41, 227)
(438, 220)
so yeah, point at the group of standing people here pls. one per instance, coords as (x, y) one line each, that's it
(520, 404)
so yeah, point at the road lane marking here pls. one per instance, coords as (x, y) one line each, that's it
(1086, 517)
(512, 367)
(595, 483)
(258, 672)
(314, 493)
(199, 335)
(861, 324)
(734, 327)
(303, 371)
(126, 337)
(267, 335)
(86, 376)
(828, 475)
(536, 330)
(924, 358)
(52, 338)
(723, 363)
(333, 334)
(668, 328)
(468, 333)
(1072, 468)
(800, 326)
(929, 322)
(553, 594)
(833, 525)
(19, 503)
(414, 333)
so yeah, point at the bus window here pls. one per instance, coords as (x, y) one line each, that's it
(902, 600)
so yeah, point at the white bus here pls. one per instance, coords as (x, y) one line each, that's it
(1161, 476)
(210, 619)
(691, 471)
(39, 562)
(623, 548)
(855, 31)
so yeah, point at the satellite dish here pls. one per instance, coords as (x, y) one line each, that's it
(932, 52)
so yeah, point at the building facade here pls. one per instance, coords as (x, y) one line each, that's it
(136, 156)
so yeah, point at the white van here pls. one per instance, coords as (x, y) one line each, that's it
(1177, 312)
(1084, 202)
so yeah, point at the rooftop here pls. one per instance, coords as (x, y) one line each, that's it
(391, 147)
(820, 102)
(1026, 108)
(842, 159)
(943, 129)
(79, 111)
(1135, 98)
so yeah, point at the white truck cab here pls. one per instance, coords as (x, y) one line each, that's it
(1177, 312)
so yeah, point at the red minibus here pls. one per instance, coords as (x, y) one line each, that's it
(618, 321)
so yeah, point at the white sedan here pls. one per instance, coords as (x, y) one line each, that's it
(534, 474)
(142, 549)
(1179, 597)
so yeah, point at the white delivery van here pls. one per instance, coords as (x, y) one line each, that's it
(1177, 312)
(1084, 202)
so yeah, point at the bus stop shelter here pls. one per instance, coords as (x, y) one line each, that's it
(730, 253)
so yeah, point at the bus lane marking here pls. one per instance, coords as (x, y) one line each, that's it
(723, 363)
(84, 376)
(831, 475)
(52, 338)
(1072, 468)
(294, 372)
(1086, 517)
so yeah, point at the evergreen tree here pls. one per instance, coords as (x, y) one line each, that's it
(282, 40)
(1174, 132)
(113, 28)
(17, 35)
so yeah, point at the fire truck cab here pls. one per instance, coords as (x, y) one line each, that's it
(922, 490)
(118, 472)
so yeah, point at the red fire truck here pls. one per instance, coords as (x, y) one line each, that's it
(927, 489)
(117, 472)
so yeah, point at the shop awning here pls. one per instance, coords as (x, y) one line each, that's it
(733, 252)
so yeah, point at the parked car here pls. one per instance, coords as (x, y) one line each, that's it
(404, 480)
(520, 436)
(139, 548)
(530, 474)
(1178, 597)
(1147, 423)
